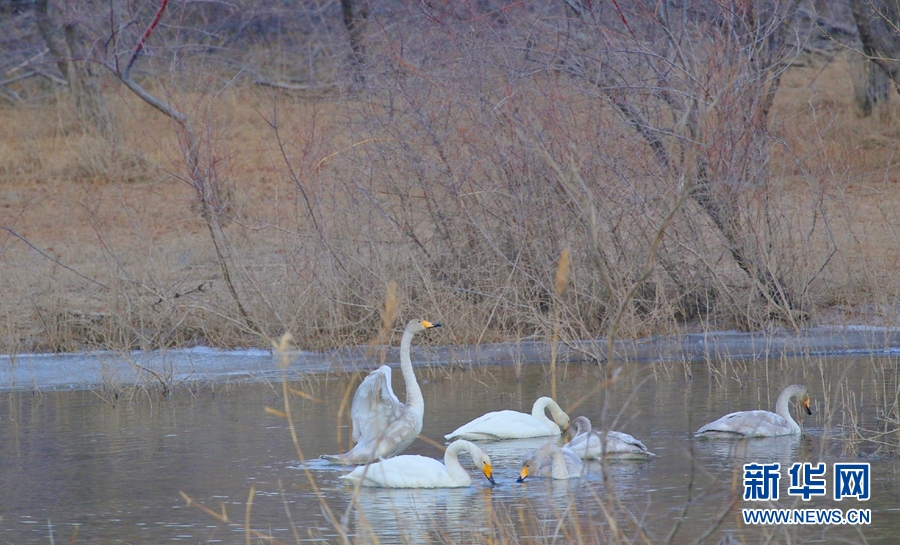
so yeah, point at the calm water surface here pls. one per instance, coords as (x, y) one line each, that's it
(74, 467)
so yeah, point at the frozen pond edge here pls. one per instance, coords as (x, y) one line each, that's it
(76, 371)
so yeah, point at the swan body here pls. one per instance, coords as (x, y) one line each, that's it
(761, 423)
(551, 461)
(515, 425)
(588, 444)
(413, 471)
(382, 425)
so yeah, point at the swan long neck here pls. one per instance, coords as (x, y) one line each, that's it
(451, 460)
(539, 409)
(782, 404)
(413, 393)
(558, 469)
(581, 425)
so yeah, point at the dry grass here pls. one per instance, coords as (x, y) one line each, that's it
(332, 200)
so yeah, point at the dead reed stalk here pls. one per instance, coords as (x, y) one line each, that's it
(562, 275)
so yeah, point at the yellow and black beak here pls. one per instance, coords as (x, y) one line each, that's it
(522, 474)
(806, 406)
(428, 325)
(488, 472)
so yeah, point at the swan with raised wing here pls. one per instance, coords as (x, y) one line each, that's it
(515, 425)
(551, 461)
(383, 426)
(414, 471)
(588, 444)
(761, 423)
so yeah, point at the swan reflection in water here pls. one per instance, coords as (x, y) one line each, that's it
(461, 515)
(421, 515)
(761, 450)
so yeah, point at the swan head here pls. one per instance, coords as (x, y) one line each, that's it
(416, 326)
(523, 473)
(560, 417)
(527, 467)
(798, 390)
(482, 462)
(804, 401)
(535, 461)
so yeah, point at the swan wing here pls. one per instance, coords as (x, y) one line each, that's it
(374, 407)
(574, 465)
(748, 424)
(408, 471)
(586, 445)
(624, 445)
(503, 425)
(589, 446)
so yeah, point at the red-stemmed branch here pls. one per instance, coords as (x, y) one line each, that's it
(125, 77)
(140, 45)
(207, 196)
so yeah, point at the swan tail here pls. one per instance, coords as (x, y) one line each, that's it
(350, 458)
(333, 458)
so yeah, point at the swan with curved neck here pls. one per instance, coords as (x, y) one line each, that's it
(413, 471)
(551, 461)
(588, 444)
(515, 425)
(761, 423)
(382, 425)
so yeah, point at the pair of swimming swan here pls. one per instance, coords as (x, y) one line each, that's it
(383, 426)
(566, 462)
(413, 471)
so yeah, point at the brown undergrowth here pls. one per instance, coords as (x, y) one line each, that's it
(329, 200)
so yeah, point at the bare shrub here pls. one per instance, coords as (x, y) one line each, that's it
(476, 148)
(475, 171)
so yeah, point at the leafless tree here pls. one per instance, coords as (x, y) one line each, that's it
(201, 173)
(62, 26)
(354, 17)
(694, 80)
(878, 23)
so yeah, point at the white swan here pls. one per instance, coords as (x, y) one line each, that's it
(551, 461)
(414, 471)
(515, 425)
(588, 444)
(761, 423)
(382, 425)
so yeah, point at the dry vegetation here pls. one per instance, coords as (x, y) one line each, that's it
(461, 170)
